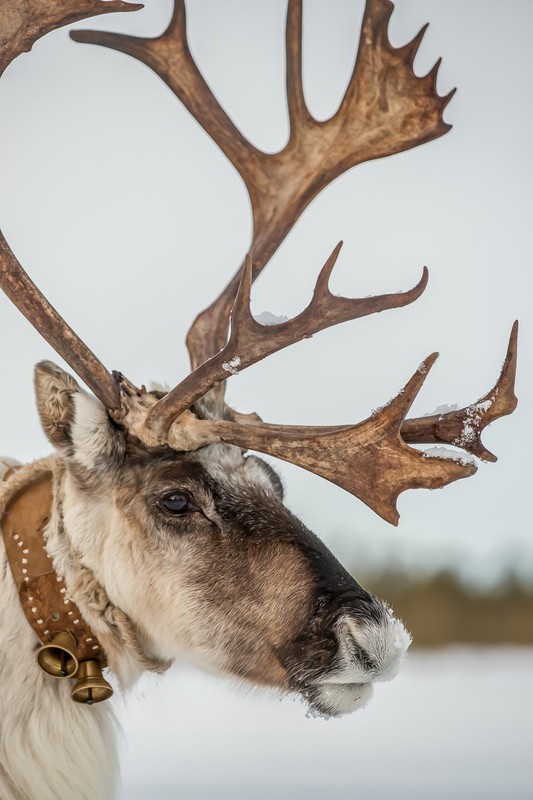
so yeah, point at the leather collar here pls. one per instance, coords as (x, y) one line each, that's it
(42, 592)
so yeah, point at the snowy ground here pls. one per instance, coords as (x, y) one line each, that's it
(456, 723)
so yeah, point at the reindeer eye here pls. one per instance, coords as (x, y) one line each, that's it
(177, 503)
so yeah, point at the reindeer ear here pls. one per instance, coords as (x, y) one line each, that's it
(72, 419)
(54, 391)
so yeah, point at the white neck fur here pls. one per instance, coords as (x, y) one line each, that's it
(50, 747)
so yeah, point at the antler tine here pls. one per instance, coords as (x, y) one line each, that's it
(409, 108)
(169, 56)
(296, 104)
(411, 48)
(464, 426)
(370, 459)
(28, 21)
(251, 341)
(28, 299)
(281, 185)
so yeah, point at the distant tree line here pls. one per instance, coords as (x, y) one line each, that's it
(440, 609)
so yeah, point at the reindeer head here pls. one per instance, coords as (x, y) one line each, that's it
(188, 534)
(202, 555)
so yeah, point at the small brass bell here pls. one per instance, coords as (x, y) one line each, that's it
(58, 657)
(91, 687)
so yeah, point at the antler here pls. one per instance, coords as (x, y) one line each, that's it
(370, 459)
(250, 341)
(386, 109)
(23, 22)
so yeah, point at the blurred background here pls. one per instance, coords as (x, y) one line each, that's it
(130, 220)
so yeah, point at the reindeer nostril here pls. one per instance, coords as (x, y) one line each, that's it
(357, 653)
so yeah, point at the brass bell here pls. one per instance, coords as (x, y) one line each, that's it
(91, 687)
(58, 657)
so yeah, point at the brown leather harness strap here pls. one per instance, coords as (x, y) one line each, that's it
(42, 593)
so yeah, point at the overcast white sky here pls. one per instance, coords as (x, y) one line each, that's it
(130, 220)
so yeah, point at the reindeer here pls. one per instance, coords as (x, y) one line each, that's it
(152, 534)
